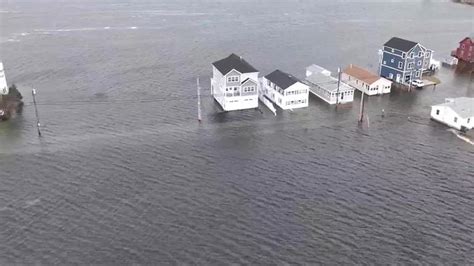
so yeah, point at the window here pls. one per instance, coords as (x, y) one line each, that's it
(269, 83)
(410, 66)
(469, 120)
(427, 54)
(419, 63)
(390, 76)
(420, 54)
(455, 120)
(393, 50)
(437, 112)
(403, 55)
(412, 55)
(400, 65)
(233, 79)
(249, 89)
(417, 74)
(392, 60)
(384, 62)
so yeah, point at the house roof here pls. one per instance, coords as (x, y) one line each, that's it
(400, 44)
(236, 62)
(468, 37)
(318, 69)
(361, 74)
(282, 79)
(327, 83)
(463, 106)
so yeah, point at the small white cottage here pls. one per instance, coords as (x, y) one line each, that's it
(366, 81)
(285, 90)
(328, 88)
(3, 81)
(455, 112)
(234, 83)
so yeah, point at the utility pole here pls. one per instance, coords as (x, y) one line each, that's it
(199, 100)
(338, 85)
(33, 92)
(362, 105)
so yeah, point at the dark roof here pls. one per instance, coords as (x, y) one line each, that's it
(469, 37)
(400, 44)
(281, 79)
(236, 62)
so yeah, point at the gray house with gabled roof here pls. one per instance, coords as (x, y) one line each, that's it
(234, 83)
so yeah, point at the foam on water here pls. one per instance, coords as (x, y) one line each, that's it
(462, 137)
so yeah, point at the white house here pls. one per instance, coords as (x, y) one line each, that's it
(365, 81)
(328, 88)
(455, 112)
(234, 83)
(285, 90)
(3, 81)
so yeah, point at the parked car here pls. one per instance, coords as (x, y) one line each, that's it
(417, 83)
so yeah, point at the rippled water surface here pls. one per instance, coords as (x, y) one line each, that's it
(125, 175)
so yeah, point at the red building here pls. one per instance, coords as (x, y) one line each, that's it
(465, 51)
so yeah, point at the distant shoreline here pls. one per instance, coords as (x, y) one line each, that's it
(467, 2)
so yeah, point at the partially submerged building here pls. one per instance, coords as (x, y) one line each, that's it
(455, 112)
(285, 90)
(365, 81)
(403, 60)
(234, 83)
(326, 87)
(3, 81)
(465, 51)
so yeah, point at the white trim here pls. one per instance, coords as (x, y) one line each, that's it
(225, 75)
(392, 48)
(393, 53)
(399, 70)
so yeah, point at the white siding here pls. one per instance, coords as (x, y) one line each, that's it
(3, 81)
(381, 86)
(228, 101)
(446, 115)
(296, 96)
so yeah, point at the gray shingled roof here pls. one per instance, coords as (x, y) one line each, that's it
(282, 79)
(236, 62)
(463, 106)
(400, 44)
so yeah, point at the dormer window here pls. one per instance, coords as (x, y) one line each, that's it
(404, 55)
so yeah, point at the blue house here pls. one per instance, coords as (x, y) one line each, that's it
(403, 60)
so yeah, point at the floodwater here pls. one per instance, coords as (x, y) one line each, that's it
(124, 174)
